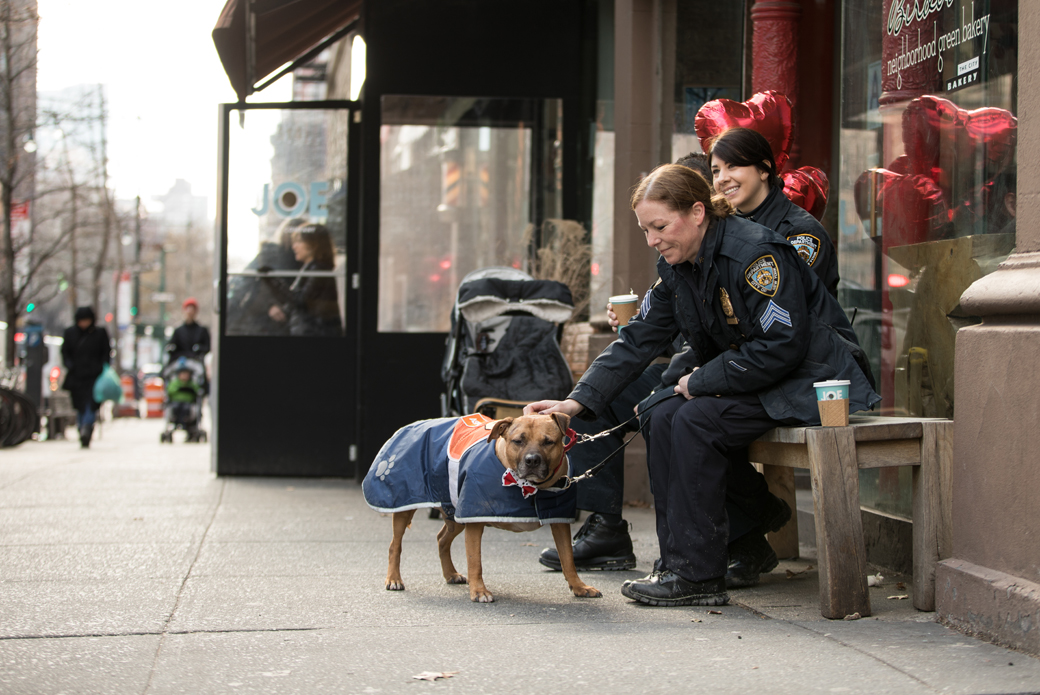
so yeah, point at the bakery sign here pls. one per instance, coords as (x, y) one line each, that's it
(935, 45)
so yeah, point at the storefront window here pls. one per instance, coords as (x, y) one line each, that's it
(709, 64)
(461, 179)
(286, 223)
(926, 190)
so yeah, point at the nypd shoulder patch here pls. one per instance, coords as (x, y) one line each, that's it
(764, 275)
(807, 246)
(774, 313)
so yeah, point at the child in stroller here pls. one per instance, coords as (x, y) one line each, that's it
(182, 406)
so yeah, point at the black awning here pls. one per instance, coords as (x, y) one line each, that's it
(284, 31)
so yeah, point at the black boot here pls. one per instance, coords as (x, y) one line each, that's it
(776, 515)
(749, 556)
(598, 545)
(85, 433)
(669, 589)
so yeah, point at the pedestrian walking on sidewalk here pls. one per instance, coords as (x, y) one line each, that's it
(85, 352)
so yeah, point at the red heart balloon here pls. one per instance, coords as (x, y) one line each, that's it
(936, 132)
(807, 188)
(997, 131)
(913, 210)
(767, 113)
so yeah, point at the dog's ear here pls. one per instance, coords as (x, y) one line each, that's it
(500, 428)
(563, 420)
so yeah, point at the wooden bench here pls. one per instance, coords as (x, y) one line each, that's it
(834, 457)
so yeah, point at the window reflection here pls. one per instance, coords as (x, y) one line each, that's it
(927, 192)
(462, 179)
(286, 224)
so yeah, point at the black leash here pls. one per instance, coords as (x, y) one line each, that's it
(584, 438)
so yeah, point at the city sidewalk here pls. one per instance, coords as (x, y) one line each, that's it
(130, 568)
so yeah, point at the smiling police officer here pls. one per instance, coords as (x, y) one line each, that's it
(764, 328)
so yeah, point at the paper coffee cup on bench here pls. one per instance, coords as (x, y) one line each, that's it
(625, 306)
(832, 397)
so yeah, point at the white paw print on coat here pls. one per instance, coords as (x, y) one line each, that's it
(384, 466)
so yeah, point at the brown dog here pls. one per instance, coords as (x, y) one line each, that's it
(532, 447)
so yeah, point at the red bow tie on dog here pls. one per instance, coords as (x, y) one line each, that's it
(509, 479)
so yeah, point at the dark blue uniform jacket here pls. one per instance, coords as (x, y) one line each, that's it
(414, 470)
(805, 233)
(764, 324)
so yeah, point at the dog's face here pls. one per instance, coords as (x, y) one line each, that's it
(532, 446)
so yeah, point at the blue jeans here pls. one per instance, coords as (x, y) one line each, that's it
(87, 416)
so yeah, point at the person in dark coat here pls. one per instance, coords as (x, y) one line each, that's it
(191, 339)
(85, 350)
(309, 305)
(250, 299)
(744, 172)
(763, 328)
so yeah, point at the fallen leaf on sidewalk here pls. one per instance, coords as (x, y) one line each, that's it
(792, 575)
(696, 620)
(900, 597)
(714, 612)
(530, 544)
(853, 616)
(434, 675)
(901, 586)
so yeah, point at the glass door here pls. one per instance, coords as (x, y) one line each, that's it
(285, 370)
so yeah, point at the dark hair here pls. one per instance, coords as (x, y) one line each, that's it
(743, 147)
(679, 188)
(85, 312)
(699, 162)
(318, 238)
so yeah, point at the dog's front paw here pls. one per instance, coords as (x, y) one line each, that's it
(588, 592)
(394, 585)
(480, 596)
(456, 579)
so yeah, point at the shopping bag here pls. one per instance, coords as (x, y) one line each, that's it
(107, 386)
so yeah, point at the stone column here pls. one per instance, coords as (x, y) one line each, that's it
(638, 92)
(990, 587)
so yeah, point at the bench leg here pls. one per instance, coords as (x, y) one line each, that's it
(931, 509)
(781, 484)
(842, 556)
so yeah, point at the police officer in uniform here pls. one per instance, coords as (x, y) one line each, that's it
(744, 172)
(763, 328)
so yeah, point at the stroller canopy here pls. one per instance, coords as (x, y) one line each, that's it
(504, 340)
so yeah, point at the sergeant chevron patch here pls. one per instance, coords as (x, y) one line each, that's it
(764, 276)
(774, 313)
(807, 246)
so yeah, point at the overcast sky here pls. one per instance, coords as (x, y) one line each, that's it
(162, 79)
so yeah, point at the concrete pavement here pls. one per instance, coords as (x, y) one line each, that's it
(130, 568)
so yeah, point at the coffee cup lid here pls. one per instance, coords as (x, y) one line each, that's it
(623, 298)
(832, 382)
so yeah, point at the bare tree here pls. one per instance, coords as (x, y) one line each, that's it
(18, 24)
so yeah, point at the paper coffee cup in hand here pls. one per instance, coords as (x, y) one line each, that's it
(832, 397)
(625, 307)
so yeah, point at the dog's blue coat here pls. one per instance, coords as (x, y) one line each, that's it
(413, 470)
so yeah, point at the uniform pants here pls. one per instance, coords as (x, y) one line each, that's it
(698, 452)
(604, 492)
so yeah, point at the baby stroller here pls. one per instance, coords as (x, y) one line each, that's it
(180, 412)
(503, 350)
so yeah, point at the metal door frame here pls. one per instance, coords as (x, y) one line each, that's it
(352, 245)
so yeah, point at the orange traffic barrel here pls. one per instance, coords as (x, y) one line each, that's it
(153, 396)
(128, 407)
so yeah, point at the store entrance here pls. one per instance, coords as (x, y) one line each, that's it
(285, 371)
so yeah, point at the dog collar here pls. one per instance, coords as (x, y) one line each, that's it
(527, 487)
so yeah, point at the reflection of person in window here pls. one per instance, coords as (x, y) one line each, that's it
(309, 306)
(250, 298)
